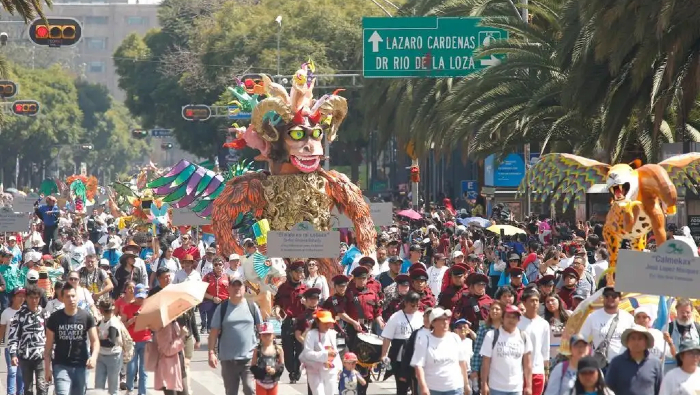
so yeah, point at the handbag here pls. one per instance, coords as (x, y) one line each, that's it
(601, 352)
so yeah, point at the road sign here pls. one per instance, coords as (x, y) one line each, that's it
(426, 46)
(8, 89)
(471, 188)
(161, 132)
(55, 32)
(196, 112)
(25, 107)
(234, 112)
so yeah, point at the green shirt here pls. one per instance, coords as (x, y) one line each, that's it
(12, 277)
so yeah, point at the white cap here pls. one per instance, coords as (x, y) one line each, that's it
(12, 238)
(32, 275)
(646, 309)
(104, 262)
(33, 256)
(234, 257)
(457, 253)
(439, 312)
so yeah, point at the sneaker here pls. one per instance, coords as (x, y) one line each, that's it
(203, 331)
(122, 386)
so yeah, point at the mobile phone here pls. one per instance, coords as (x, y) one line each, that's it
(43, 275)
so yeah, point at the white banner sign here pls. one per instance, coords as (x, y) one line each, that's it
(382, 215)
(24, 204)
(672, 270)
(187, 217)
(303, 244)
(14, 222)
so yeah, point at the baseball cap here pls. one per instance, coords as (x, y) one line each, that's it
(587, 364)
(457, 254)
(349, 357)
(18, 291)
(266, 328)
(439, 312)
(12, 238)
(141, 291)
(234, 257)
(578, 338)
(32, 275)
(104, 262)
(210, 250)
(512, 309)
(459, 322)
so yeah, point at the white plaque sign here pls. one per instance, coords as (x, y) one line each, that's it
(303, 244)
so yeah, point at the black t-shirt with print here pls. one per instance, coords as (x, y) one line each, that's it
(70, 337)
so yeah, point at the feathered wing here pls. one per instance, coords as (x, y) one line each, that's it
(123, 190)
(188, 184)
(241, 195)
(683, 170)
(563, 176)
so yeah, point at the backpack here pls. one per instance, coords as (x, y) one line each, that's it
(671, 327)
(497, 332)
(224, 307)
(126, 342)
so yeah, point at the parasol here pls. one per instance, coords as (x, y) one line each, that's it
(170, 303)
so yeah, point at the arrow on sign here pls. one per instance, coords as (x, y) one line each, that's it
(491, 62)
(375, 39)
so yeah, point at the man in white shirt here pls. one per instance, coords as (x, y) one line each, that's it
(187, 273)
(538, 330)
(507, 358)
(601, 263)
(234, 267)
(206, 265)
(598, 324)
(436, 274)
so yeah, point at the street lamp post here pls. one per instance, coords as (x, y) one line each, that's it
(279, 37)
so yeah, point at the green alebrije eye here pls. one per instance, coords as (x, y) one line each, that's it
(296, 134)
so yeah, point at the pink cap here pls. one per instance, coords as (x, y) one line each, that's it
(266, 327)
(349, 357)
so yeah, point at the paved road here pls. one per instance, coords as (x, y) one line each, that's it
(207, 381)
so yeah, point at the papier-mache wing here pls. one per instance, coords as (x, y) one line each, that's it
(563, 176)
(188, 184)
(683, 170)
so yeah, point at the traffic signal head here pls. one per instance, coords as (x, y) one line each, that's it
(8, 89)
(3, 38)
(57, 32)
(139, 133)
(25, 107)
(166, 146)
(86, 147)
(196, 112)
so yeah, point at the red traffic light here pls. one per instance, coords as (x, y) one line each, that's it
(25, 107)
(196, 112)
(139, 133)
(41, 32)
(8, 89)
(55, 32)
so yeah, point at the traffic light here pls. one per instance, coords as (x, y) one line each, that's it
(139, 133)
(166, 146)
(196, 112)
(55, 32)
(86, 147)
(8, 89)
(25, 107)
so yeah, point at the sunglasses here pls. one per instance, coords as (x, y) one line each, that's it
(218, 264)
(73, 279)
(609, 295)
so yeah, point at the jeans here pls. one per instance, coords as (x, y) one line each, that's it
(107, 369)
(32, 369)
(138, 361)
(4, 301)
(15, 384)
(70, 380)
(50, 234)
(458, 391)
(235, 372)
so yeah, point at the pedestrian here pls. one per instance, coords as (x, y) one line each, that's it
(589, 379)
(49, 214)
(15, 384)
(27, 341)
(684, 326)
(170, 373)
(635, 371)
(69, 330)
(605, 326)
(187, 273)
(233, 329)
(217, 292)
(562, 379)
(349, 377)
(507, 358)
(288, 302)
(473, 305)
(538, 330)
(441, 359)
(320, 355)
(109, 360)
(267, 364)
(129, 313)
(684, 379)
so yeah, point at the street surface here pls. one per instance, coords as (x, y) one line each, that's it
(208, 381)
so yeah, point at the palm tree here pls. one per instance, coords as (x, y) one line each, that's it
(632, 58)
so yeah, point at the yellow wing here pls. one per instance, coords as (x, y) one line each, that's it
(563, 176)
(683, 170)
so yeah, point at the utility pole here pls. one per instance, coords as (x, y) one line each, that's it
(525, 14)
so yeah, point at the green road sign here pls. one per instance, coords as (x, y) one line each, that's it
(426, 46)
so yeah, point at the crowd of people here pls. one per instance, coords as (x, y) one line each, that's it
(445, 307)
